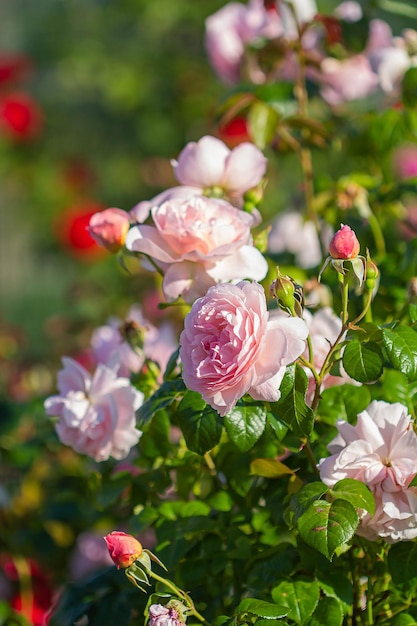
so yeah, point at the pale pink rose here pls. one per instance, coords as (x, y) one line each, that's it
(388, 56)
(346, 80)
(110, 348)
(231, 345)
(96, 413)
(291, 233)
(197, 243)
(210, 163)
(380, 451)
(141, 211)
(160, 615)
(109, 228)
(231, 29)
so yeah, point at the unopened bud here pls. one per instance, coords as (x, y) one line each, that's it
(123, 549)
(371, 272)
(288, 293)
(109, 228)
(133, 334)
(344, 244)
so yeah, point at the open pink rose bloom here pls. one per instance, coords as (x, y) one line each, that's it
(198, 242)
(231, 345)
(96, 413)
(380, 451)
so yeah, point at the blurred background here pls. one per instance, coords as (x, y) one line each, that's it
(96, 97)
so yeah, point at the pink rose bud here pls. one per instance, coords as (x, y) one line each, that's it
(124, 549)
(109, 228)
(344, 244)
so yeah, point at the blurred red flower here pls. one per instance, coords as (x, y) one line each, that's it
(13, 67)
(31, 593)
(20, 116)
(70, 229)
(234, 132)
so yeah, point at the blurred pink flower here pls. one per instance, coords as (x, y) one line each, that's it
(110, 348)
(109, 228)
(347, 79)
(96, 414)
(404, 160)
(90, 554)
(380, 451)
(349, 11)
(231, 29)
(197, 243)
(231, 345)
(291, 233)
(210, 163)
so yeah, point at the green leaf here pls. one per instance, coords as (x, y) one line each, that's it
(291, 407)
(327, 526)
(328, 611)
(303, 499)
(301, 597)
(262, 608)
(402, 562)
(245, 424)
(363, 361)
(343, 402)
(201, 425)
(262, 121)
(405, 619)
(168, 392)
(269, 468)
(355, 492)
(409, 88)
(396, 388)
(401, 346)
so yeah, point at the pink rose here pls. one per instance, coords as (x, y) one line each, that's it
(197, 243)
(380, 451)
(210, 163)
(141, 211)
(123, 548)
(231, 345)
(109, 228)
(96, 413)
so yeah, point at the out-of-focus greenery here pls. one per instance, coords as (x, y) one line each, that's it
(122, 85)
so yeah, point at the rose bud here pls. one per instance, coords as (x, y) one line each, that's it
(123, 549)
(109, 228)
(344, 244)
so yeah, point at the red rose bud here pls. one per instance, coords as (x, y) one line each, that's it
(109, 228)
(123, 549)
(344, 244)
